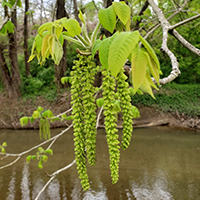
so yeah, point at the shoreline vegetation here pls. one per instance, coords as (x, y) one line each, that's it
(176, 105)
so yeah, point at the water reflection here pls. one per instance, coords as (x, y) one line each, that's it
(25, 183)
(152, 189)
(161, 163)
(11, 187)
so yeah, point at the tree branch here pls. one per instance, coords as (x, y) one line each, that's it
(144, 7)
(53, 176)
(53, 139)
(185, 21)
(185, 43)
(170, 17)
(165, 28)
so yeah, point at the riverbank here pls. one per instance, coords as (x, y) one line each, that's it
(12, 110)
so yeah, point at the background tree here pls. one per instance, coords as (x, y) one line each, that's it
(26, 53)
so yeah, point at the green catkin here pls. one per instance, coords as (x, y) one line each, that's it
(78, 121)
(110, 114)
(89, 107)
(125, 103)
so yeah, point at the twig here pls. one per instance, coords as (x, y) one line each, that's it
(53, 139)
(11, 163)
(42, 190)
(61, 114)
(184, 21)
(53, 176)
(98, 117)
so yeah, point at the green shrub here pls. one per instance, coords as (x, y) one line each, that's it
(174, 97)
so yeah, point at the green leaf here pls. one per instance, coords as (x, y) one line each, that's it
(146, 87)
(47, 26)
(49, 151)
(64, 79)
(139, 92)
(131, 91)
(31, 119)
(153, 68)
(19, 3)
(28, 159)
(81, 16)
(3, 150)
(139, 65)
(24, 121)
(38, 43)
(7, 4)
(150, 51)
(33, 157)
(47, 114)
(45, 46)
(10, 27)
(135, 112)
(3, 30)
(69, 117)
(123, 11)
(44, 158)
(150, 81)
(96, 47)
(31, 57)
(119, 26)
(61, 40)
(40, 165)
(4, 144)
(120, 49)
(107, 18)
(35, 114)
(40, 109)
(100, 102)
(56, 51)
(66, 33)
(104, 50)
(55, 119)
(72, 26)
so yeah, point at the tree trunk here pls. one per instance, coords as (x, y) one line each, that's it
(6, 77)
(13, 54)
(26, 53)
(61, 69)
(76, 11)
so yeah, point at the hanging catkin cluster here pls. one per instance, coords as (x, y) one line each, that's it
(110, 114)
(84, 115)
(125, 104)
(89, 107)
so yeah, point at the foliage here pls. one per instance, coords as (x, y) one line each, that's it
(113, 53)
(40, 155)
(174, 97)
(2, 147)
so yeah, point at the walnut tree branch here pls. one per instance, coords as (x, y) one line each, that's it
(53, 176)
(165, 28)
(184, 21)
(53, 139)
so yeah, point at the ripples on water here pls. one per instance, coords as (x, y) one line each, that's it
(160, 164)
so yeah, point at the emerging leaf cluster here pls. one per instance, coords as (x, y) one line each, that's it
(44, 117)
(2, 147)
(40, 155)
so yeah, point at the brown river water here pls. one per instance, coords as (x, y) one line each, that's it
(160, 164)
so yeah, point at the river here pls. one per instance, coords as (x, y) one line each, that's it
(160, 164)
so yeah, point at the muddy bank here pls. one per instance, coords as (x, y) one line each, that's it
(11, 111)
